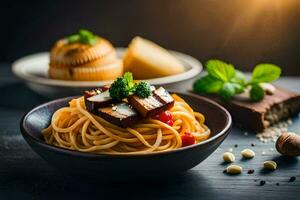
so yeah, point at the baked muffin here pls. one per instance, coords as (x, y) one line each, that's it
(147, 60)
(84, 57)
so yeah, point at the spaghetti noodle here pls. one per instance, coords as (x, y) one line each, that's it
(75, 128)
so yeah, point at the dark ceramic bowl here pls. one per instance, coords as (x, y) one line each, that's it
(218, 120)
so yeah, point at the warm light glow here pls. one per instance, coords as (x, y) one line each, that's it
(256, 11)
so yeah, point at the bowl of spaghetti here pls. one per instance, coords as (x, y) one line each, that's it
(163, 133)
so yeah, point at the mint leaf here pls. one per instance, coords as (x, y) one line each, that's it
(223, 79)
(239, 78)
(230, 89)
(87, 37)
(73, 38)
(220, 70)
(265, 73)
(208, 84)
(91, 41)
(257, 93)
(85, 33)
(238, 88)
(227, 91)
(83, 36)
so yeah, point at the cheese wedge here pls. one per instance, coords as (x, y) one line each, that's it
(147, 60)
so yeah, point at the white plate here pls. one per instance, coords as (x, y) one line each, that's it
(33, 69)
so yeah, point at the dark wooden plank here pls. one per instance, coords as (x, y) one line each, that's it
(24, 175)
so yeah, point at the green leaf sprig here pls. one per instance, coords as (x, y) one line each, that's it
(83, 36)
(226, 81)
(124, 86)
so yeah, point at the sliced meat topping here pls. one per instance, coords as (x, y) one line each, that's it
(158, 102)
(121, 114)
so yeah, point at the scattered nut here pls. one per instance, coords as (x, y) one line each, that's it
(272, 133)
(248, 153)
(271, 165)
(288, 144)
(234, 169)
(268, 88)
(228, 157)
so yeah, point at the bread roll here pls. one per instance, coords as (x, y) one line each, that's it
(84, 62)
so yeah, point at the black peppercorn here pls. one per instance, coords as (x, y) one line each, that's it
(261, 183)
(292, 179)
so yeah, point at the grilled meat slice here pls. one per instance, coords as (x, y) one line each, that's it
(164, 97)
(121, 114)
(96, 99)
(160, 101)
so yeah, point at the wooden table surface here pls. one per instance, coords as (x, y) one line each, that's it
(24, 175)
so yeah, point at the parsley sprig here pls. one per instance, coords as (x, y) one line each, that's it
(226, 81)
(124, 86)
(83, 36)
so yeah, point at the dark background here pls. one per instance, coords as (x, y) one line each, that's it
(244, 32)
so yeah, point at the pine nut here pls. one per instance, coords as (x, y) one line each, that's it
(248, 153)
(234, 169)
(271, 165)
(228, 157)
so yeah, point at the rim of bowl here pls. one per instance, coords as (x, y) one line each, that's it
(195, 67)
(133, 155)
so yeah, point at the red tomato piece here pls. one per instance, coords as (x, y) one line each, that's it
(187, 139)
(170, 122)
(165, 117)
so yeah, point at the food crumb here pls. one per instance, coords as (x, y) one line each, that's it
(292, 179)
(251, 171)
(263, 153)
(246, 133)
(230, 149)
(235, 145)
(261, 183)
(277, 184)
(252, 145)
(271, 133)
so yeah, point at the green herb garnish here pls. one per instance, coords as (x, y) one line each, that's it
(125, 86)
(143, 89)
(83, 36)
(224, 80)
